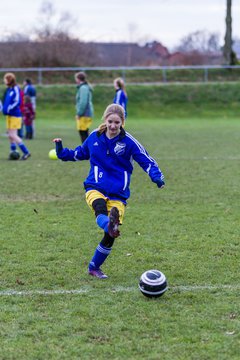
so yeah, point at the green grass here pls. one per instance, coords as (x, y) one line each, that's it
(180, 101)
(189, 230)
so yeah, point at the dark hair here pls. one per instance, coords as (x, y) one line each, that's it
(28, 81)
(81, 76)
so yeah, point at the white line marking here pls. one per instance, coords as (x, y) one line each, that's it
(204, 158)
(180, 288)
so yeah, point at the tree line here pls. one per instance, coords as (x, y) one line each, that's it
(53, 46)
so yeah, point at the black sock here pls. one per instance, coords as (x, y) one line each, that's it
(83, 135)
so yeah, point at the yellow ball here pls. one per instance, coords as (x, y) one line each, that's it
(52, 154)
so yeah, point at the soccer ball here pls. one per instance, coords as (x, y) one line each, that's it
(52, 154)
(153, 283)
(14, 155)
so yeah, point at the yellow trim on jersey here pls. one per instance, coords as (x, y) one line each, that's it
(84, 123)
(13, 122)
(92, 195)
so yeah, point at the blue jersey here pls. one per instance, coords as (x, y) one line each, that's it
(111, 163)
(30, 90)
(120, 98)
(12, 101)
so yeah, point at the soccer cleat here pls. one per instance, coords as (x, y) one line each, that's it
(25, 156)
(97, 273)
(113, 223)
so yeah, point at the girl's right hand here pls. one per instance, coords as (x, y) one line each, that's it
(58, 144)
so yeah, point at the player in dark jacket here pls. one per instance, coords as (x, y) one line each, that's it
(111, 151)
(28, 117)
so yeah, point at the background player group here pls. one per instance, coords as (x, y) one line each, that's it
(19, 107)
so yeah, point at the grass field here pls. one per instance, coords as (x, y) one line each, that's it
(51, 308)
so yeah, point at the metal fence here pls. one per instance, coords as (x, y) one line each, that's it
(132, 75)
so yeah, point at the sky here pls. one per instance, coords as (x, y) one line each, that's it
(166, 21)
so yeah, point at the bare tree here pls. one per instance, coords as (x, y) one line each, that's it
(54, 26)
(200, 41)
(53, 44)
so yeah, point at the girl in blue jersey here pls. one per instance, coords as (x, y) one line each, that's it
(120, 97)
(11, 108)
(111, 151)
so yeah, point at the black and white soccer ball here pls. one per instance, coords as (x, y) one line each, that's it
(153, 283)
(14, 155)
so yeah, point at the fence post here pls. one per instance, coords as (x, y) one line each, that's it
(39, 77)
(206, 74)
(164, 74)
(124, 75)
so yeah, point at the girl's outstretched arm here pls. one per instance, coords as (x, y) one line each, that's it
(65, 154)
